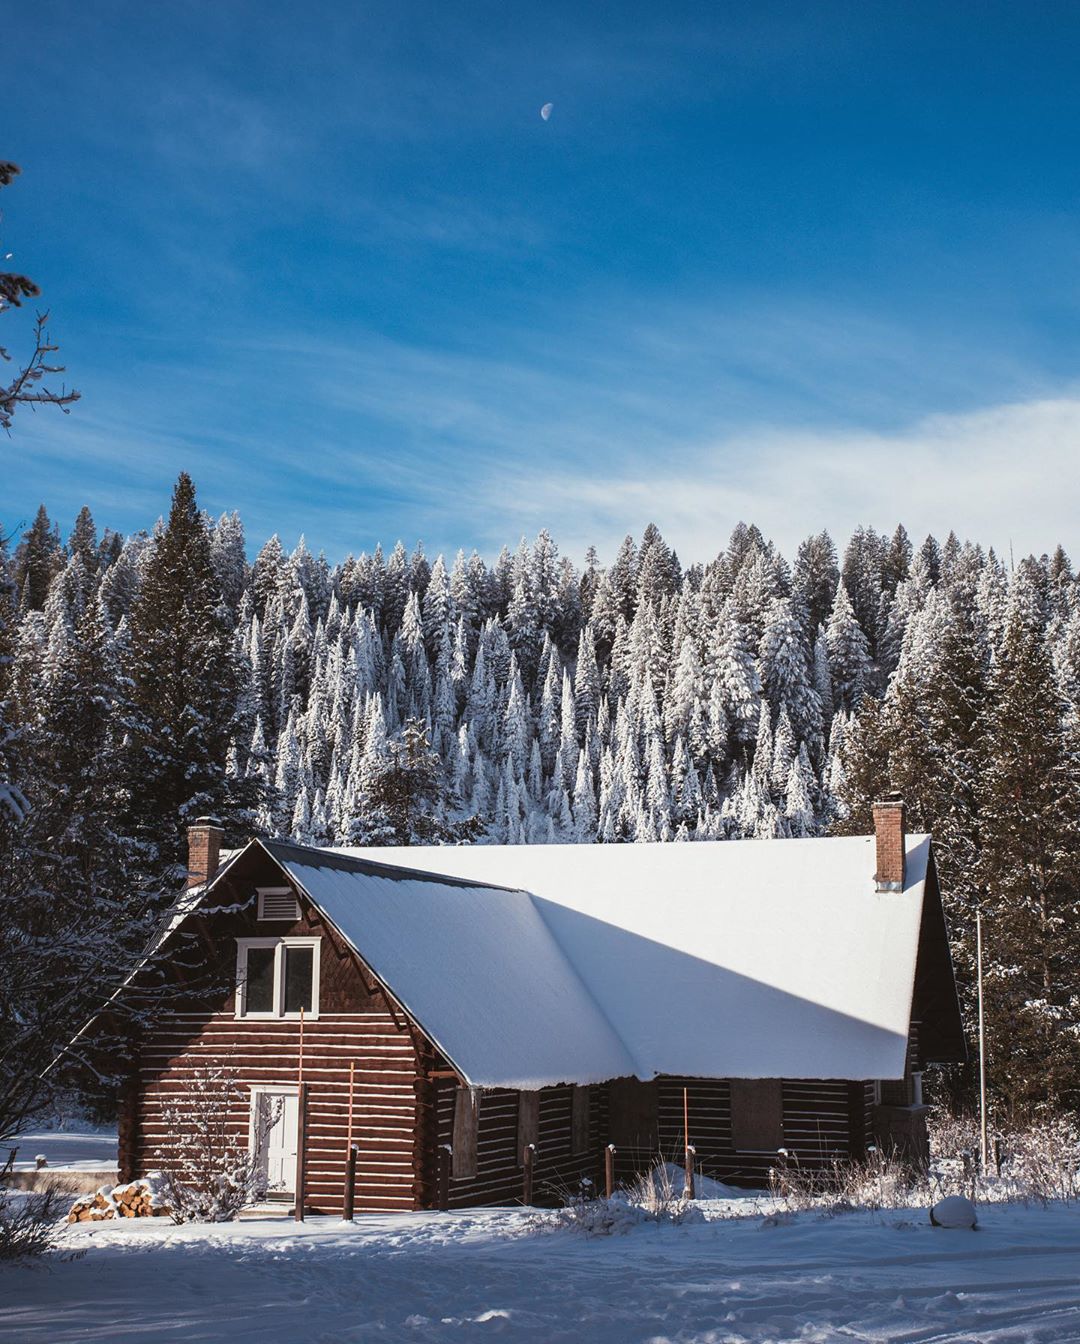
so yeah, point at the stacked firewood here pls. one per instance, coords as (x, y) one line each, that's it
(137, 1199)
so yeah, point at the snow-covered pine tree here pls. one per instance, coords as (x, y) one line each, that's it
(785, 675)
(814, 580)
(38, 558)
(849, 653)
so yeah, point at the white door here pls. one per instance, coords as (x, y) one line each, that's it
(274, 1129)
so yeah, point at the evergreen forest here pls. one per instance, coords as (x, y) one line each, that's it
(394, 697)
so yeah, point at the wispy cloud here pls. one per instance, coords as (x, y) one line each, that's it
(379, 440)
(590, 422)
(1004, 476)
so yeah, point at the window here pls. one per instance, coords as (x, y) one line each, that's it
(278, 903)
(259, 985)
(277, 977)
(757, 1115)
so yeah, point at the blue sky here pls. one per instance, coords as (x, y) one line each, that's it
(809, 265)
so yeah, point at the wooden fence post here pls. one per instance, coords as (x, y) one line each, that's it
(301, 1149)
(350, 1183)
(609, 1170)
(688, 1150)
(446, 1154)
(350, 1156)
(527, 1158)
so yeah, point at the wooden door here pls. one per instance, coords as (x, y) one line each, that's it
(275, 1138)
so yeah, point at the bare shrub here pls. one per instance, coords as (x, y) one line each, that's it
(656, 1194)
(207, 1173)
(30, 1223)
(1042, 1162)
(652, 1197)
(1035, 1163)
(599, 1217)
(880, 1181)
(1039, 1163)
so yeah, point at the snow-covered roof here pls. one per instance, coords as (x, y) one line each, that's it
(477, 967)
(536, 965)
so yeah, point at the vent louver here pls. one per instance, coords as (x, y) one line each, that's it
(280, 904)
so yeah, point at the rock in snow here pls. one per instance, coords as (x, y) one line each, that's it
(954, 1211)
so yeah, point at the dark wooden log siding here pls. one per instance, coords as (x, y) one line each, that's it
(819, 1128)
(356, 1023)
(498, 1178)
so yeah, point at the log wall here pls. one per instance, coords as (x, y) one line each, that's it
(356, 1023)
(557, 1171)
(823, 1121)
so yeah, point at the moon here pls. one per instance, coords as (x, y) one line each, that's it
(547, 110)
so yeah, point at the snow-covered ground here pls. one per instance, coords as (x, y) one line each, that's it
(83, 1149)
(444, 1277)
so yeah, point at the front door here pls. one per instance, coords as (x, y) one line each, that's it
(273, 1135)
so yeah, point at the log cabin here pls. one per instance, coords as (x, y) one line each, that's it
(484, 1021)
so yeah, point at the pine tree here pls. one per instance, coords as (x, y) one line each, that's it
(1029, 872)
(584, 801)
(799, 817)
(896, 562)
(523, 621)
(736, 677)
(623, 577)
(785, 675)
(184, 691)
(862, 578)
(38, 558)
(227, 556)
(266, 574)
(849, 653)
(83, 542)
(438, 612)
(586, 685)
(814, 580)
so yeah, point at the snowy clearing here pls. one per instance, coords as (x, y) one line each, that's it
(65, 1150)
(436, 1277)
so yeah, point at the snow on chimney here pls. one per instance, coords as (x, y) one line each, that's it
(889, 832)
(204, 848)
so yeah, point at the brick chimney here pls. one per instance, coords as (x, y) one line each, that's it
(204, 849)
(889, 831)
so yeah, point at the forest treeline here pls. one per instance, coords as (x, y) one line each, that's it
(151, 679)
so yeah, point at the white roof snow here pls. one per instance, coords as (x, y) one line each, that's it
(771, 958)
(476, 967)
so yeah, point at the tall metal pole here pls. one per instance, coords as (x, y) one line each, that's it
(983, 1146)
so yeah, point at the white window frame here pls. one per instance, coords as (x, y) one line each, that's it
(278, 1013)
(261, 915)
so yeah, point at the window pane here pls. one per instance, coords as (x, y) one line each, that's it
(298, 972)
(259, 997)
